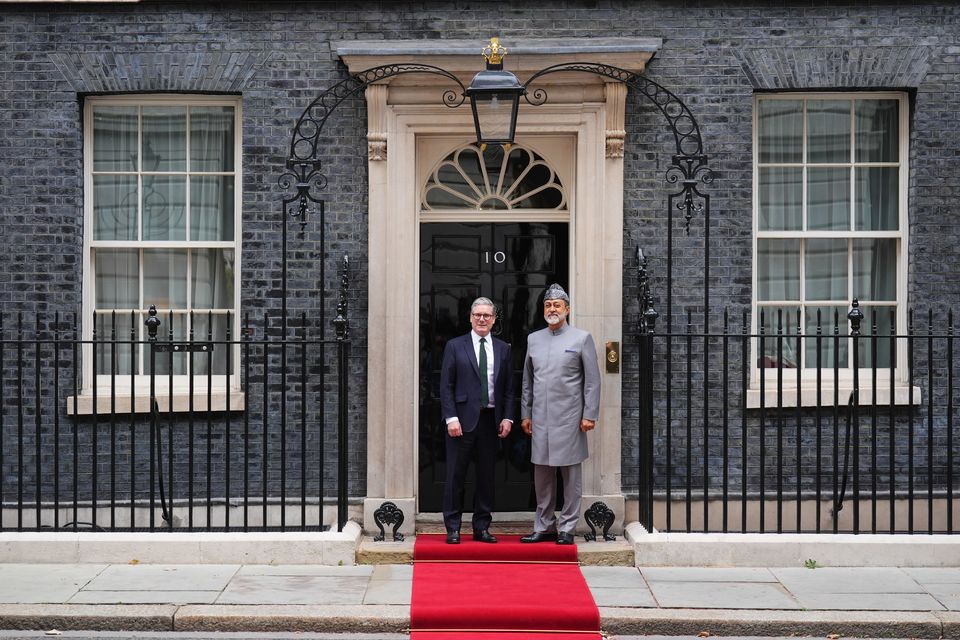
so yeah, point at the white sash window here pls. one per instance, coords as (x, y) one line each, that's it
(830, 225)
(162, 204)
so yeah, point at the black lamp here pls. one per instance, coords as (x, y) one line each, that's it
(495, 97)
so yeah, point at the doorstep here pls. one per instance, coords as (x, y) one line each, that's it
(618, 552)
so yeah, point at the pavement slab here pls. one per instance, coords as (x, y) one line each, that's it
(388, 592)
(620, 597)
(306, 570)
(619, 577)
(45, 583)
(722, 595)
(305, 590)
(181, 577)
(392, 572)
(846, 580)
(145, 597)
(934, 575)
(707, 574)
(869, 601)
(946, 594)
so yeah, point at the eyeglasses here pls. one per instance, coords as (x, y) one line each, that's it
(483, 316)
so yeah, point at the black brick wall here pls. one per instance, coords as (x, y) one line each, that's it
(277, 56)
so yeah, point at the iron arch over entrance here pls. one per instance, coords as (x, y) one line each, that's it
(688, 169)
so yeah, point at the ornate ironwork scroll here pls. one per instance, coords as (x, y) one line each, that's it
(304, 179)
(304, 166)
(597, 516)
(689, 164)
(390, 514)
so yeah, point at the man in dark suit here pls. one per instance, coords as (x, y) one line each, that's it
(477, 403)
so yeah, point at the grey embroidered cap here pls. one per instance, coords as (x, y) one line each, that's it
(556, 292)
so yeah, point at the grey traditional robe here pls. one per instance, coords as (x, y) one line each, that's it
(561, 385)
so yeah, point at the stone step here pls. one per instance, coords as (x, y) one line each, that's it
(616, 553)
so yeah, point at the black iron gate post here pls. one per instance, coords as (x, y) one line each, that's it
(646, 324)
(342, 328)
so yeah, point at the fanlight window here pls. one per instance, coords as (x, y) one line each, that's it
(494, 178)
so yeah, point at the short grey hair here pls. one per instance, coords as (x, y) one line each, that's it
(481, 302)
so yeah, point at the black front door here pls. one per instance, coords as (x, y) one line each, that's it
(510, 263)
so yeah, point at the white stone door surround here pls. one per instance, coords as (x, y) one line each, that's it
(581, 106)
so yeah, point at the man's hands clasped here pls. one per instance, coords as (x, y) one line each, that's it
(454, 430)
(585, 425)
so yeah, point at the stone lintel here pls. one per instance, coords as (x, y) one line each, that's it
(524, 56)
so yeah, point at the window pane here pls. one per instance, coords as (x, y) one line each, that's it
(212, 279)
(115, 139)
(885, 319)
(875, 269)
(878, 190)
(164, 139)
(781, 130)
(163, 361)
(781, 198)
(118, 325)
(164, 205)
(203, 324)
(826, 269)
(117, 278)
(878, 130)
(114, 207)
(211, 139)
(828, 131)
(211, 208)
(165, 278)
(780, 337)
(828, 198)
(830, 319)
(449, 174)
(778, 270)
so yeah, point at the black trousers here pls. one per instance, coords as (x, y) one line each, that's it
(482, 441)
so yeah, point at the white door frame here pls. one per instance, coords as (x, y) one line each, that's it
(589, 109)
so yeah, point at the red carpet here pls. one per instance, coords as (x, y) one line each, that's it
(477, 591)
(508, 549)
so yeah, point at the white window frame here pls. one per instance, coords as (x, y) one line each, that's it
(844, 383)
(138, 393)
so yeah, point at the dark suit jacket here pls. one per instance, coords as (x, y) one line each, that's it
(460, 382)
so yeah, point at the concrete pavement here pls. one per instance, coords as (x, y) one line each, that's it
(764, 601)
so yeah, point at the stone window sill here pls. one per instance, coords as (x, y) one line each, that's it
(808, 394)
(139, 401)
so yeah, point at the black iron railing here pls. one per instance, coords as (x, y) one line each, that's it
(161, 431)
(767, 427)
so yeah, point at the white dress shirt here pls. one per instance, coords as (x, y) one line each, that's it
(488, 345)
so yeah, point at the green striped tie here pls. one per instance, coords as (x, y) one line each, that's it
(484, 392)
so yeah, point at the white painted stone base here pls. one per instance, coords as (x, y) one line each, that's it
(407, 505)
(274, 548)
(615, 503)
(791, 549)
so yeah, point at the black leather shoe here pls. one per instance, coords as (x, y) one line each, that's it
(539, 536)
(564, 538)
(482, 535)
(453, 537)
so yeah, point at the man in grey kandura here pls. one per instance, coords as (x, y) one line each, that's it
(560, 402)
